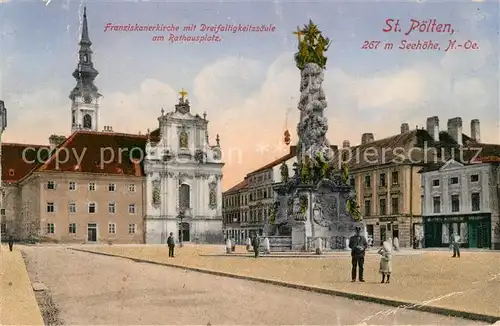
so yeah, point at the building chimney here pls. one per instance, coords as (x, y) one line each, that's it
(405, 128)
(455, 129)
(346, 144)
(56, 140)
(433, 127)
(475, 133)
(367, 138)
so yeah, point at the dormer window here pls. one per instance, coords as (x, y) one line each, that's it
(11, 172)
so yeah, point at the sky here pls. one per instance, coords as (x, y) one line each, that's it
(248, 83)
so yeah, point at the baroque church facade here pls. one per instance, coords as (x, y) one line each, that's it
(183, 179)
(175, 187)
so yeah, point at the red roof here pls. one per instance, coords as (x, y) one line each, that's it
(240, 186)
(99, 152)
(15, 166)
(280, 160)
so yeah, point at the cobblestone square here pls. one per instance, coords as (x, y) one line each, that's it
(470, 283)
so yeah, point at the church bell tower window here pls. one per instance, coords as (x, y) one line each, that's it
(87, 121)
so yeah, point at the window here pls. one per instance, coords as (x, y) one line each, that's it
(91, 186)
(475, 201)
(131, 209)
(383, 205)
(4, 228)
(184, 196)
(454, 180)
(51, 208)
(72, 185)
(395, 205)
(51, 228)
(367, 181)
(131, 228)
(455, 203)
(436, 204)
(395, 178)
(435, 183)
(112, 228)
(367, 207)
(72, 228)
(131, 187)
(92, 208)
(111, 208)
(2, 211)
(382, 179)
(352, 182)
(111, 187)
(72, 208)
(51, 185)
(474, 178)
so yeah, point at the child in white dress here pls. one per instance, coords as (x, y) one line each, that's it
(385, 261)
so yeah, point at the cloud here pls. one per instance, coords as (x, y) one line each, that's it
(4, 1)
(250, 103)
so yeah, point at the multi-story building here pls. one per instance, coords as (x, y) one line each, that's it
(387, 179)
(91, 186)
(247, 205)
(76, 194)
(464, 199)
(385, 175)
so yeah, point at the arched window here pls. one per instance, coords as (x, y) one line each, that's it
(184, 196)
(87, 121)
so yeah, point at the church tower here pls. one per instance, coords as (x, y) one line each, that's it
(85, 96)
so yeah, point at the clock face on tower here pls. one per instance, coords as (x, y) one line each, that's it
(87, 99)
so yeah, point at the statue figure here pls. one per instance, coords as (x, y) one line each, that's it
(156, 196)
(284, 172)
(295, 170)
(312, 49)
(183, 139)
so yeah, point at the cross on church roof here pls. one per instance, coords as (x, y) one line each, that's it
(298, 33)
(183, 93)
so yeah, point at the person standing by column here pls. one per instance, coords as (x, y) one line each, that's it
(11, 242)
(171, 245)
(358, 245)
(256, 244)
(455, 242)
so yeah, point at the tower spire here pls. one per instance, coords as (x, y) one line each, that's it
(85, 94)
(85, 30)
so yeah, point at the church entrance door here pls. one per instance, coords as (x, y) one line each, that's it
(184, 232)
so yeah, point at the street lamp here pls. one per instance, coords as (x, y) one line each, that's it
(181, 216)
(3, 125)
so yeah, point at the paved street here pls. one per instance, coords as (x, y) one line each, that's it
(93, 289)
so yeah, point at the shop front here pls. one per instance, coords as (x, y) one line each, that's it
(474, 230)
(387, 228)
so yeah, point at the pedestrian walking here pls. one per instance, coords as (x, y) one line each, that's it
(171, 245)
(385, 261)
(358, 246)
(455, 242)
(255, 245)
(11, 243)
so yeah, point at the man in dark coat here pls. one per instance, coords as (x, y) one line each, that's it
(255, 245)
(11, 242)
(171, 245)
(358, 245)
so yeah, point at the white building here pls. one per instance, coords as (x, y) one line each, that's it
(463, 199)
(183, 179)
